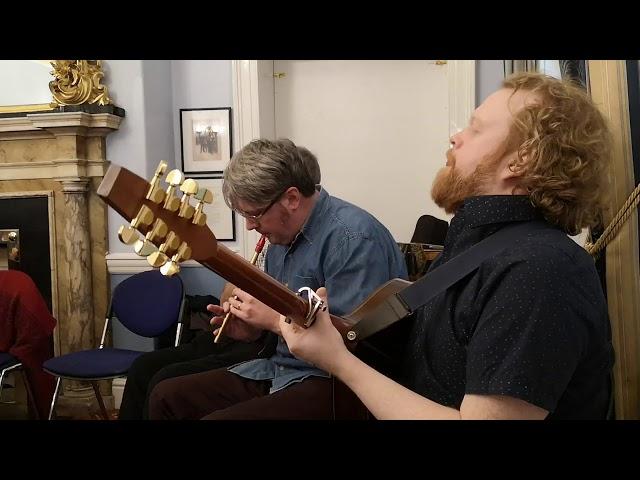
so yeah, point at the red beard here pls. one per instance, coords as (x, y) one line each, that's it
(450, 189)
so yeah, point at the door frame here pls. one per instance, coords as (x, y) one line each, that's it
(608, 85)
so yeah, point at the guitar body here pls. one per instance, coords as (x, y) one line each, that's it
(385, 349)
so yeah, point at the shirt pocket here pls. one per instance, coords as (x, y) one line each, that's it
(300, 281)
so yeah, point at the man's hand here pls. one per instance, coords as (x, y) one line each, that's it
(249, 317)
(254, 312)
(234, 328)
(320, 344)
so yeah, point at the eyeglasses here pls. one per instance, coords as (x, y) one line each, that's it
(256, 218)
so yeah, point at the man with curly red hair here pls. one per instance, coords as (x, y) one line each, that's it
(527, 335)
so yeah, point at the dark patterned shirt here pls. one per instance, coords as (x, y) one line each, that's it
(531, 323)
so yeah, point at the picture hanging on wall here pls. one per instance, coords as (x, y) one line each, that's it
(206, 139)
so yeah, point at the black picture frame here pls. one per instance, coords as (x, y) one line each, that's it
(206, 139)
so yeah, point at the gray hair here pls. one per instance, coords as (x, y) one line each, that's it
(264, 169)
(311, 164)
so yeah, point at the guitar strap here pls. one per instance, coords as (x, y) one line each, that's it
(403, 303)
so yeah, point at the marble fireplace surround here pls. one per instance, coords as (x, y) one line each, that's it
(62, 154)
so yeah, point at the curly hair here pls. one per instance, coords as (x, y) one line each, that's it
(563, 145)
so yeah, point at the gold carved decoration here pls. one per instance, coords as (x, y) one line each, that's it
(78, 82)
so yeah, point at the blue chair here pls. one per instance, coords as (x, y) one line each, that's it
(9, 363)
(147, 304)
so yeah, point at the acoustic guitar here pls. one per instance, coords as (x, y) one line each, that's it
(173, 230)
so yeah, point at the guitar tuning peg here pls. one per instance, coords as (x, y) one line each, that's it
(127, 235)
(155, 193)
(174, 179)
(158, 232)
(203, 196)
(199, 218)
(170, 245)
(188, 188)
(157, 259)
(144, 248)
(144, 218)
(171, 268)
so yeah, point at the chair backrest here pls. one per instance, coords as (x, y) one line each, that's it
(430, 229)
(148, 303)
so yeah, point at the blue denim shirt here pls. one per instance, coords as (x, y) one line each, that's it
(340, 247)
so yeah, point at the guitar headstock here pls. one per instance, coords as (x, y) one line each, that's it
(173, 230)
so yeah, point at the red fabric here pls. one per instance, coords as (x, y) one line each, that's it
(26, 327)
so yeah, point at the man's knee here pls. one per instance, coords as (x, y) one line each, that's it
(166, 373)
(162, 396)
(142, 369)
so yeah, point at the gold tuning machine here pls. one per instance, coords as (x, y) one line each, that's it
(203, 196)
(155, 193)
(174, 179)
(171, 268)
(160, 257)
(157, 233)
(144, 247)
(189, 187)
(127, 234)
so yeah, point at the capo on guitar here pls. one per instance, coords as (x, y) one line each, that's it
(315, 304)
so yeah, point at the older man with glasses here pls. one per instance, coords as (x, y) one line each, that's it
(201, 354)
(315, 240)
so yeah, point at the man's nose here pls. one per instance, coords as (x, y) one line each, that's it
(250, 223)
(455, 140)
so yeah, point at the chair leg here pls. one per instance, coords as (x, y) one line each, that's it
(55, 397)
(103, 409)
(31, 399)
(1, 379)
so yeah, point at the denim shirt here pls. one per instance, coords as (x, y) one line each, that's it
(340, 247)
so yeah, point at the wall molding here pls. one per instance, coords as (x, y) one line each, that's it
(462, 93)
(53, 169)
(130, 263)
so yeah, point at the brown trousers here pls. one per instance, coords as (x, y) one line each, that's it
(222, 395)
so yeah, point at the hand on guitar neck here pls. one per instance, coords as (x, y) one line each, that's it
(321, 345)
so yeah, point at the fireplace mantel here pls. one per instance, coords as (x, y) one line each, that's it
(63, 155)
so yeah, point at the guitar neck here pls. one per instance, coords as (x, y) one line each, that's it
(125, 192)
(235, 269)
(241, 273)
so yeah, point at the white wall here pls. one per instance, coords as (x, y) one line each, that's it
(152, 93)
(158, 108)
(198, 84)
(202, 84)
(24, 82)
(128, 145)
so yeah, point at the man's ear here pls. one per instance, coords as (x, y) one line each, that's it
(508, 170)
(292, 198)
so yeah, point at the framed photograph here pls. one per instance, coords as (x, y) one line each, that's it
(205, 135)
(220, 218)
